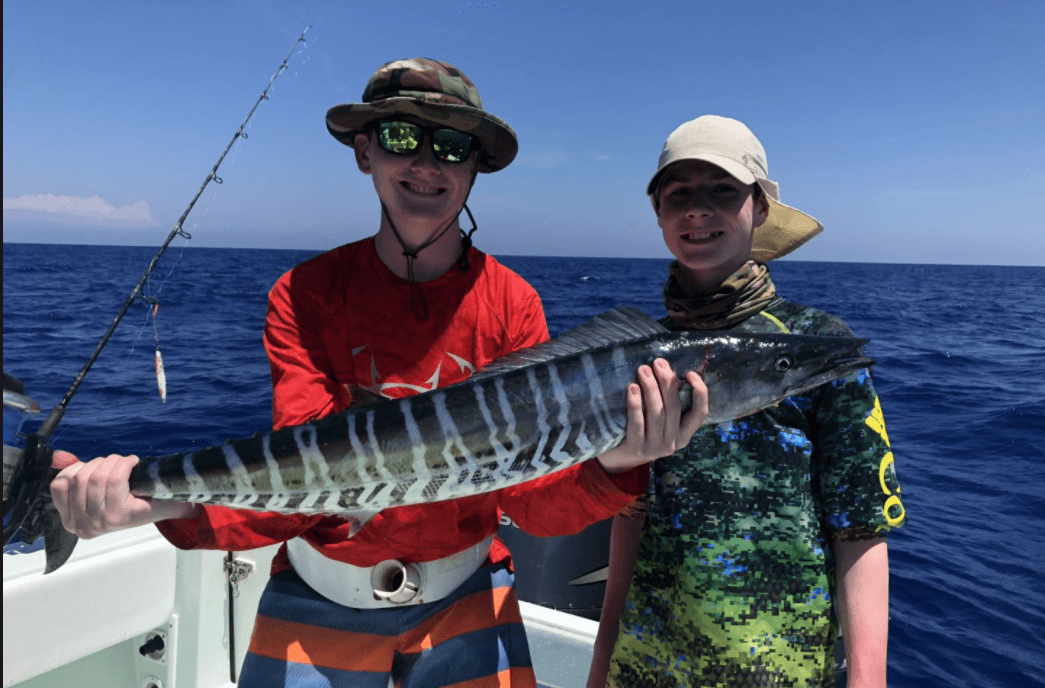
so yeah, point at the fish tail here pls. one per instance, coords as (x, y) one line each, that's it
(34, 513)
(58, 542)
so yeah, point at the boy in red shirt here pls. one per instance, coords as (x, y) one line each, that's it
(410, 309)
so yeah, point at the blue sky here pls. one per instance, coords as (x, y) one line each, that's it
(907, 128)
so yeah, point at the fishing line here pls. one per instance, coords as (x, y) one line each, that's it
(152, 301)
(151, 298)
(55, 416)
(32, 478)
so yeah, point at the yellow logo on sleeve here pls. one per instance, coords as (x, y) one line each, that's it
(876, 421)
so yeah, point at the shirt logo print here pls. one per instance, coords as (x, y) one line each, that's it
(379, 387)
(876, 421)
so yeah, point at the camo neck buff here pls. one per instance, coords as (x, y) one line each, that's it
(743, 294)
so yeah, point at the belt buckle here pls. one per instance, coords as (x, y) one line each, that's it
(396, 582)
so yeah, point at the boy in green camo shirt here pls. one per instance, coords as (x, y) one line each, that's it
(764, 533)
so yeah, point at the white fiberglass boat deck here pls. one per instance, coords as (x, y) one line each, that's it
(129, 609)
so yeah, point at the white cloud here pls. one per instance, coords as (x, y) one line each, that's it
(93, 210)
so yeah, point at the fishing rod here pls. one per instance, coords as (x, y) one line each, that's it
(26, 483)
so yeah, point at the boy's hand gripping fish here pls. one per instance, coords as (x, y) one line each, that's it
(526, 415)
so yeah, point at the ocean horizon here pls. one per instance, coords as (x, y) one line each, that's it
(959, 351)
(197, 246)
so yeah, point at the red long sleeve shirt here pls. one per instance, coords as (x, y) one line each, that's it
(343, 320)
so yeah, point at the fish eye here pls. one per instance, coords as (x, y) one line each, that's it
(783, 364)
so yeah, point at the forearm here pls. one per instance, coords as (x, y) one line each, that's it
(624, 545)
(94, 498)
(568, 501)
(862, 581)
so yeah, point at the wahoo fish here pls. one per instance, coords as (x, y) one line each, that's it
(526, 415)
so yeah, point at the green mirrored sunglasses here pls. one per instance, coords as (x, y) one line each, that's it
(403, 138)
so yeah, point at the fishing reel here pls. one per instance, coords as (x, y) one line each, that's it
(27, 467)
(17, 409)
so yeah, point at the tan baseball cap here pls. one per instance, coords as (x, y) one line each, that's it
(729, 144)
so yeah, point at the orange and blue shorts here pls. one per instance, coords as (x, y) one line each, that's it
(473, 638)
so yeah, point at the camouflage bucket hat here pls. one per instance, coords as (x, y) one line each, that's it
(435, 92)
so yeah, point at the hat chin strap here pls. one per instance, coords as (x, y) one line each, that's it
(466, 241)
(417, 299)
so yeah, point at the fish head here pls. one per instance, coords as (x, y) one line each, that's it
(746, 373)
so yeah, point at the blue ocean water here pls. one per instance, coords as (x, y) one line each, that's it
(961, 375)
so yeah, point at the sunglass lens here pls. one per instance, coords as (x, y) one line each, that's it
(399, 137)
(451, 145)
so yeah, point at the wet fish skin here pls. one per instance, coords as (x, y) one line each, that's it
(524, 416)
(512, 422)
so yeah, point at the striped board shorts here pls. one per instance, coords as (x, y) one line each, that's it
(473, 638)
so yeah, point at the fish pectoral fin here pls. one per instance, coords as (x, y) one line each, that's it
(597, 576)
(358, 519)
(364, 397)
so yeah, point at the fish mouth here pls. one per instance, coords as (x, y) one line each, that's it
(834, 369)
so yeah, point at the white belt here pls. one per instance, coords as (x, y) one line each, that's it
(389, 583)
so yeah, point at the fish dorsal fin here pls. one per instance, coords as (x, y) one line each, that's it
(618, 326)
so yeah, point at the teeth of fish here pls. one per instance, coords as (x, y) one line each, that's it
(522, 417)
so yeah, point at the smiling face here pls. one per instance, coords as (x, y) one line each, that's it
(708, 218)
(421, 193)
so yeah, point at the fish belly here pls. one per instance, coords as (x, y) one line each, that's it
(467, 439)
